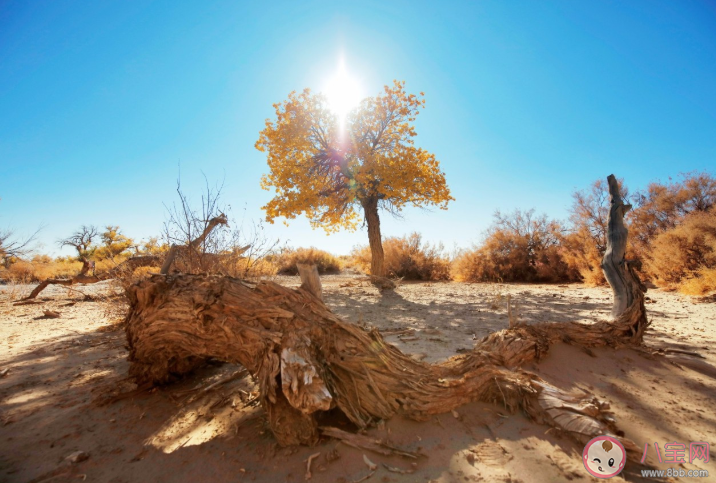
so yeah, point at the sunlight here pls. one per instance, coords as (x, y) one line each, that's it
(343, 92)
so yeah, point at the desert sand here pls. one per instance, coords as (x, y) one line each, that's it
(64, 389)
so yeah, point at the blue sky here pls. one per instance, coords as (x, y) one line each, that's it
(101, 102)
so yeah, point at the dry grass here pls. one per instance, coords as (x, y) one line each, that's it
(324, 261)
(504, 260)
(409, 258)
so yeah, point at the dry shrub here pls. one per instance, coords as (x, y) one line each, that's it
(584, 257)
(663, 206)
(324, 261)
(38, 269)
(700, 283)
(518, 247)
(469, 266)
(409, 258)
(684, 257)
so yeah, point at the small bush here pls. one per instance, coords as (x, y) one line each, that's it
(324, 261)
(408, 257)
(253, 268)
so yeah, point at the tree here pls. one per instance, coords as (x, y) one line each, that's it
(114, 243)
(82, 240)
(327, 170)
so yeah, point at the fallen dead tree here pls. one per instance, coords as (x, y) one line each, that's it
(307, 361)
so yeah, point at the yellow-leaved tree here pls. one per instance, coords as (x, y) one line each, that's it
(329, 169)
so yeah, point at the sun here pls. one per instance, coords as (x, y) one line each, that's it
(343, 92)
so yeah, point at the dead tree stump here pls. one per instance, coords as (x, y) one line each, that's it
(307, 361)
(310, 281)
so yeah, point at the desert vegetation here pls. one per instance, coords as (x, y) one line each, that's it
(407, 257)
(672, 227)
(326, 263)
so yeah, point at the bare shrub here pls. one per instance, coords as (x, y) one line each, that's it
(408, 257)
(257, 261)
(242, 252)
(586, 241)
(518, 247)
(325, 262)
(13, 248)
(686, 254)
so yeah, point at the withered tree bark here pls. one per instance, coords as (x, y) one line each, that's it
(306, 360)
(310, 281)
(618, 271)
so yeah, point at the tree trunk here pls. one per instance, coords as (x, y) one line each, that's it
(310, 281)
(370, 207)
(619, 272)
(307, 361)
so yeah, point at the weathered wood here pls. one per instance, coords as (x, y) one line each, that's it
(131, 264)
(310, 281)
(613, 263)
(177, 322)
(307, 361)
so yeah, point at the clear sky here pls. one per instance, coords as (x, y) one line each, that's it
(101, 102)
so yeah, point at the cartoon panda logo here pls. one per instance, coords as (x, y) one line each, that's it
(604, 457)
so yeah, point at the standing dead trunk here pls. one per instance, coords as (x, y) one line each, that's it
(619, 272)
(370, 208)
(310, 281)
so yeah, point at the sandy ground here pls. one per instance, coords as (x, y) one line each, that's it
(55, 396)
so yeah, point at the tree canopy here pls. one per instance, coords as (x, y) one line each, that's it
(324, 169)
